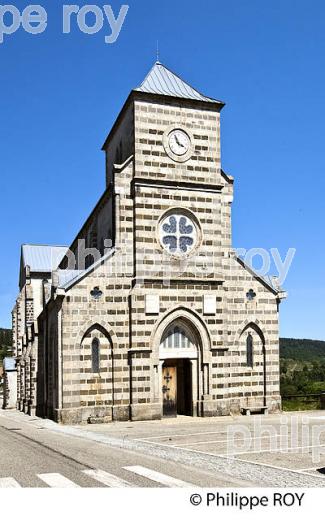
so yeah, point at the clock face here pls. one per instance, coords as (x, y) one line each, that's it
(179, 142)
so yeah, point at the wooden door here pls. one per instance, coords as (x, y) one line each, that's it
(169, 389)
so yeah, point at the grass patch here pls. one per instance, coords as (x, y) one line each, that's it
(299, 405)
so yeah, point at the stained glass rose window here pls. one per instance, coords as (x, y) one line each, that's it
(178, 234)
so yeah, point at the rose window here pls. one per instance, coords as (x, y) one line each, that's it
(178, 234)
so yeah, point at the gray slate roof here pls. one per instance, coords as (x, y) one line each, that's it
(9, 364)
(163, 81)
(42, 259)
(67, 276)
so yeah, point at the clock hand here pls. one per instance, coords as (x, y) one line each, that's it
(178, 142)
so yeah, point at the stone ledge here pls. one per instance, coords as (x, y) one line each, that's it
(146, 412)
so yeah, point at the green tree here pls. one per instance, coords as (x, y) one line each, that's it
(5, 342)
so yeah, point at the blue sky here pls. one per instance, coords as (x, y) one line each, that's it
(60, 94)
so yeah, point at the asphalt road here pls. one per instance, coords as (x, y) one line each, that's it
(33, 456)
(182, 452)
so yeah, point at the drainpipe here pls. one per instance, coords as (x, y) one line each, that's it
(60, 381)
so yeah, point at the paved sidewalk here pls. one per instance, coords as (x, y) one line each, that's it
(204, 443)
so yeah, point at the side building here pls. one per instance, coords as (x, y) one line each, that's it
(37, 264)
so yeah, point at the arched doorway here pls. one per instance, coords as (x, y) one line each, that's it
(179, 357)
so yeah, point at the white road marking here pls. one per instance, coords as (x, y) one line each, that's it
(278, 450)
(282, 468)
(9, 483)
(218, 432)
(181, 435)
(307, 471)
(315, 468)
(56, 480)
(158, 477)
(227, 457)
(106, 478)
(263, 437)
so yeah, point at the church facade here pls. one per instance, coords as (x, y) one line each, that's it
(149, 312)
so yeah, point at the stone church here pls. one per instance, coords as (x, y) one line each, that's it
(149, 312)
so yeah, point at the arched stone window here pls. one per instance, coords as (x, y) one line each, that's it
(95, 355)
(177, 338)
(249, 350)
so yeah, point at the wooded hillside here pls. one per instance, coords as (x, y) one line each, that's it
(5, 342)
(308, 350)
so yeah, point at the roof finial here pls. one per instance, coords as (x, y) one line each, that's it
(158, 52)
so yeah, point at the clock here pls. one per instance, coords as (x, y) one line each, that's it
(179, 142)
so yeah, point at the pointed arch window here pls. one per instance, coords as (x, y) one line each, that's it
(249, 350)
(95, 355)
(177, 338)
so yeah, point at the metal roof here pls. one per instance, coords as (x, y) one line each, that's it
(66, 276)
(9, 364)
(42, 258)
(163, 81)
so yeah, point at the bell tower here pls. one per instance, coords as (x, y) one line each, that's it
(180, 196)
(177, 131)
(182, 203)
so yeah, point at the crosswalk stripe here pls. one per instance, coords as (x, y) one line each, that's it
(106, 478)
(9, 483)
(158, 477)
(56, 480)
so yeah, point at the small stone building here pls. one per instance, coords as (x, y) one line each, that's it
(9, 384)
(149, 312)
